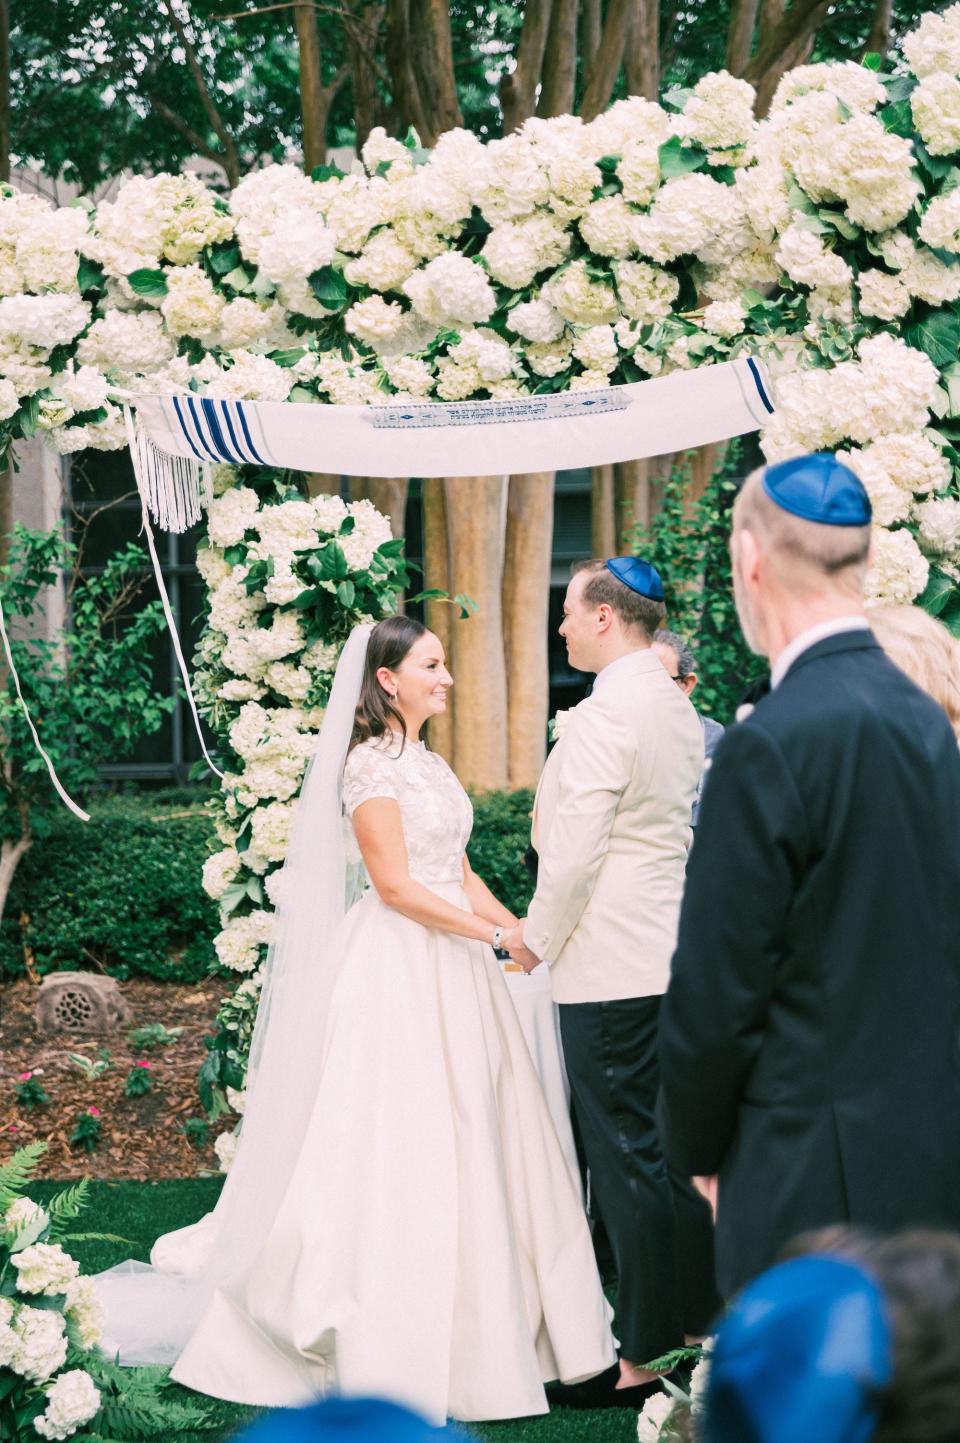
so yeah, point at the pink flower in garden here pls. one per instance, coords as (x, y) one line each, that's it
(142, 1062)
(93, 1111)
(24, 1076)
(13, 1127)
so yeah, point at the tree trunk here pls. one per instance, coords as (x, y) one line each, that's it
(405, 92)
(878, 41)
(11, 854)
(313, 102)
(560, 63)
(475, 507)
(642, 58)
(590, 30)
(366, 101)
(439, 614)
(603, 526)
(605, 66)
(518, 89)
(322, 483)
(743, 23)
(632, 499)
(786, 44)
(526, 602)
(388, 494)
(432, 59)
(4, 90)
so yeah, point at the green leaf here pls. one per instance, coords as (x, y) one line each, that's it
(90, 275)
(224, 258)
(844, 109)
(608, 164)
(900, 87)
(239, 279)
(938, 336)
(937, 594)
(235, 555)
(327, 172)
(289, 357)
(898, 118)
(147, 282)
(678, 159)
(873, 60)
(936, 166)
(17, 1173)
(346, 593)
(677, 98)
(330, 288)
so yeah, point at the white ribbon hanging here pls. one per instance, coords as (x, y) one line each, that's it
(58, 785)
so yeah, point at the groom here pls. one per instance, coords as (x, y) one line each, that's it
(611, 824)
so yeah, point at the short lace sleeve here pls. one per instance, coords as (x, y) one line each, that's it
(367, 773)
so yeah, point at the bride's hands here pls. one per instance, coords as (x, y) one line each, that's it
(519, 952)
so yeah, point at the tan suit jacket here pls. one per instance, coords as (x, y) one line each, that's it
(611, 824)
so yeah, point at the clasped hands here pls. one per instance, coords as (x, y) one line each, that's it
(519, 952)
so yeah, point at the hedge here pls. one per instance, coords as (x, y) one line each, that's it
(122, 893)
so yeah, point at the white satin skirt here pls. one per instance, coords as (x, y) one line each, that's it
(431, 1246)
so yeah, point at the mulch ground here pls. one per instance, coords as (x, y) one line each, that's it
(141, 1137)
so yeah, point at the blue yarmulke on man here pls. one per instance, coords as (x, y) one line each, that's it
(349, 1420)
(801, 1357)
(639, 575)
(818, 488)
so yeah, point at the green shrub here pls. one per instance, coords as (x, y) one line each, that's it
(501, 835)
(121, 893)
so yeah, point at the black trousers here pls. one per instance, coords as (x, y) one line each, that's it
(660, 1229)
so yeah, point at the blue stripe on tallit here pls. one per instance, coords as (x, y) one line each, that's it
(246, 431)
(183, 427)
(212, 454)
(225, 412)
(209, 408)
(755, 373)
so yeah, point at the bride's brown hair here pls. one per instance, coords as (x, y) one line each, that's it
(390, 641)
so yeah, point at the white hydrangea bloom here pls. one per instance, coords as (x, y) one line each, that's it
(590, 380)
(191, 307)
(251, 377)
(935, 44)
(9, 400)
(939, 227)
(638, 171)
(225, 1147)
(243, 322)
(549, 358)
(627, 122)
(370, 532)
(288, 680)
(238, 944)
(806, 259)
(857, 87)
(271, 829)
(936, 112)
(220, 871)
(647, 292)
(409, 374)
(485, 350)
(939, 522)
(898, 570)
(83, 388)
(908, 460)
(608, 226)
(9, 1341)
(573, 179)
(654, 1414)
(508, 180)
(596, 348)
(154, 218)
(724, 318)
(231, 515)
(41, 1343)
(126, 341)
(24, 1210)
(43, 321)
(693, 215)
(383, 264)
(719, 114)
(579, 299)
(517, 251)
(84, 1309)
(240, 689)
(212, 565)
(374, 320)
(330, 512)
(930, 280)
(44, 1268)
(536, 321)
(346, 385)
(281, 638)
(883, 295)
(900, 386)
(448, 289)
(890, 503)
(46, 250)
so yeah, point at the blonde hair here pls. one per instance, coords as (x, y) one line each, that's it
(923, 648)
(807, 553)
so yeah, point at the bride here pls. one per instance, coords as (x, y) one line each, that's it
(399, 1219)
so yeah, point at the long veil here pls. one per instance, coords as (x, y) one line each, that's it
(152, 1310)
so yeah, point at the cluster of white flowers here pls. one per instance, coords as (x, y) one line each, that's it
(163, 217)
(44, 1268)
(72, 1400)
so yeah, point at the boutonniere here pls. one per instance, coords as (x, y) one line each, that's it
(555, 728)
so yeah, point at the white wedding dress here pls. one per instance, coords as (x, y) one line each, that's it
(431, 1246)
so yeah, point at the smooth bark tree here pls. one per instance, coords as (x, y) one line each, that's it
(528, 549)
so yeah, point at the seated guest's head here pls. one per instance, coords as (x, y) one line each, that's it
(854, 1339)
(799, 547)
(677, 657)
(922, 646)
(349, 1420)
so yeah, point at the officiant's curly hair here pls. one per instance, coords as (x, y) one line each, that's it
(389, 643)
(602, 588)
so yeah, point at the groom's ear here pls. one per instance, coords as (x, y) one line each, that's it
(604, 616)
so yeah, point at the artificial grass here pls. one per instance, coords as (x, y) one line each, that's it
(141, 1211)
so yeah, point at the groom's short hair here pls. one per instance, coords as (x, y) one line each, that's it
(602, 588)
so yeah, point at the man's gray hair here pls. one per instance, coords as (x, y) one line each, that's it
(686, 661)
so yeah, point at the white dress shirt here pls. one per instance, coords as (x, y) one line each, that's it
(809, 638)
(606, 673)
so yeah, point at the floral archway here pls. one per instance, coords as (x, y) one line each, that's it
(824, 238)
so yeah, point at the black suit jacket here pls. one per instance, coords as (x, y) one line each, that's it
(810, 1038)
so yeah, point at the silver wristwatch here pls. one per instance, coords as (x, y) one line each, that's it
(497, 942)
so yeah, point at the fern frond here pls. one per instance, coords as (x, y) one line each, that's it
(67, 1205)
(95, 1238)
(17, 1173)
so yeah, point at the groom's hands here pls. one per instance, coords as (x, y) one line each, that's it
(519, 952)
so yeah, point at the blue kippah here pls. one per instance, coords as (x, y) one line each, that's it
(348, 1420)
(639, 575)
(801, 1355)
(818, 488)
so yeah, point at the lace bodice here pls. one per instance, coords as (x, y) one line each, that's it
(436, 811)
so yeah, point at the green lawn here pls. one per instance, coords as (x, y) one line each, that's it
(142, 1211)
